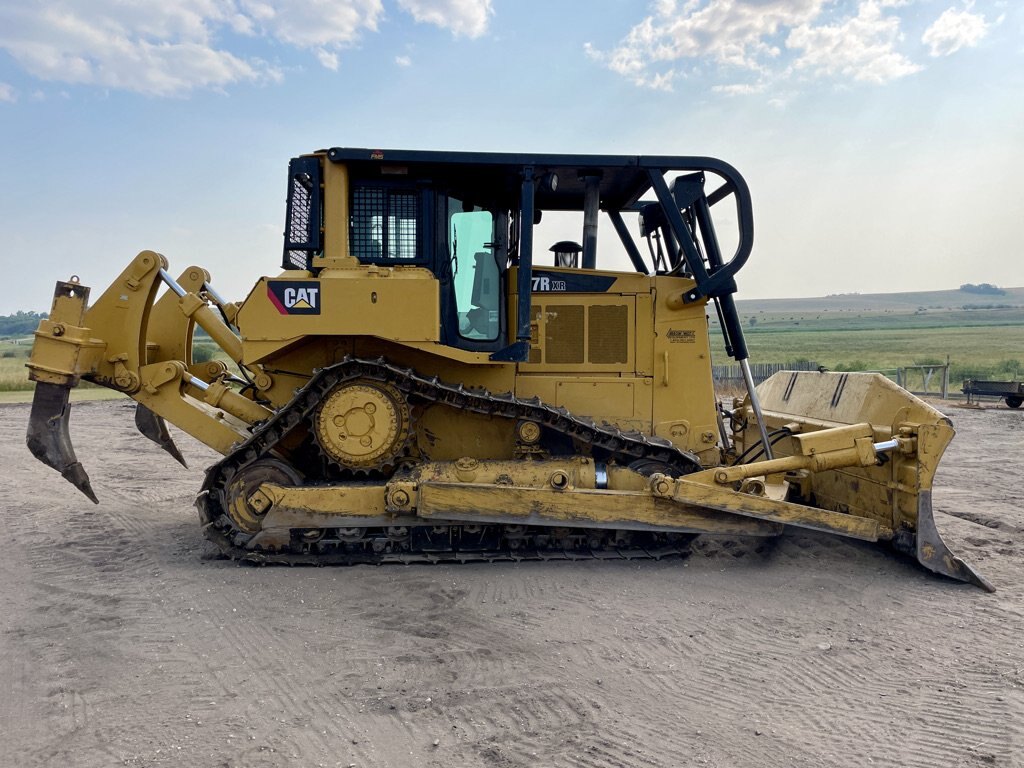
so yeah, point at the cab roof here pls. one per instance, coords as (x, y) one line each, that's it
(624, 178)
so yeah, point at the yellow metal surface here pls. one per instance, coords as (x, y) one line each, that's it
(835, 448)
(584, 333)
(700, 491)
(121, 317)
(621, 400)
(325, 506)
(169, 332)
(556, 492)
(578, 471)
(399, 303)
(163, 391)
(447, 363)
(664, 368)
(63, 349)
(445, 434)
(627, 510)
(196, 309)
(245, 498)
(683, 395)
(564, 492)
(645, 334)
(336, 208)
(362, 423)
(886, 491)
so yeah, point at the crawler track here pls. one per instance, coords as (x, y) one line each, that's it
(441, 543)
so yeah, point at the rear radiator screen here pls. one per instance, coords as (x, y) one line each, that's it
(564, 334)
(608, 334)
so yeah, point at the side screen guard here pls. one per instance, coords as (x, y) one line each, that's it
(303, 231)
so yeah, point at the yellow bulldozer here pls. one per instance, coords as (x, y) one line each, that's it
(415, 385)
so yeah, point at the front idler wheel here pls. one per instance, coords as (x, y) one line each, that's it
(243, 510)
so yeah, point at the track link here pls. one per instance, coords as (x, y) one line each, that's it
(430, 543)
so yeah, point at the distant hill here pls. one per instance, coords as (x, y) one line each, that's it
(877, 302)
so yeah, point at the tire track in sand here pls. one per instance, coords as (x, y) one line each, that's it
(106, 642)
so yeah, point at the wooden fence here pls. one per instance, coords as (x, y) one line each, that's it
(733, 374)
(919, 379)
(924, 379)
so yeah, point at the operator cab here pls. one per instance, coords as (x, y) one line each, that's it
(471, 218)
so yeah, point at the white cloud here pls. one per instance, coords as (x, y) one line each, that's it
(162, 49)
(172, 48)
(327, 59)
(732, 33)
(860, 48)
(954, 30)
(740, 89)
(662, 81)
(403, 61)
(771, 39)
(6, 92)
(313, 23)
(462, 17)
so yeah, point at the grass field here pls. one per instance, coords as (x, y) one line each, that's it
(973, 352)
(13, 373)
(16, 388)
(981, 343)
(78, 395)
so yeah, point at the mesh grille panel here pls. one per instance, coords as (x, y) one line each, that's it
(366, 233)
(302, 208)
(383, 224)
(564, 334)
(296, 260)
(402, 226)
(608, 334)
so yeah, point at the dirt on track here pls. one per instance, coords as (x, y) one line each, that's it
(126, 643)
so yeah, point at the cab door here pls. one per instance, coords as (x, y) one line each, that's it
(472, 268)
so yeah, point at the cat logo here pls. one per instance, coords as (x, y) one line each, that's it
(295, 297)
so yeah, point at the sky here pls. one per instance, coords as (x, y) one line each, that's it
(883, 140)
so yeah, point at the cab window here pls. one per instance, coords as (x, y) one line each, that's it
(382, 226)
(476, 279)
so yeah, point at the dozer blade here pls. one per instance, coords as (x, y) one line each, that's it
(48, 437)
(896, 491)
(931, 551)
(155, 428)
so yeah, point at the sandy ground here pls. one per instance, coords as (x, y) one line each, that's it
(124, 643)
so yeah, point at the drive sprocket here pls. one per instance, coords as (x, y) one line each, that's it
(363, 425)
